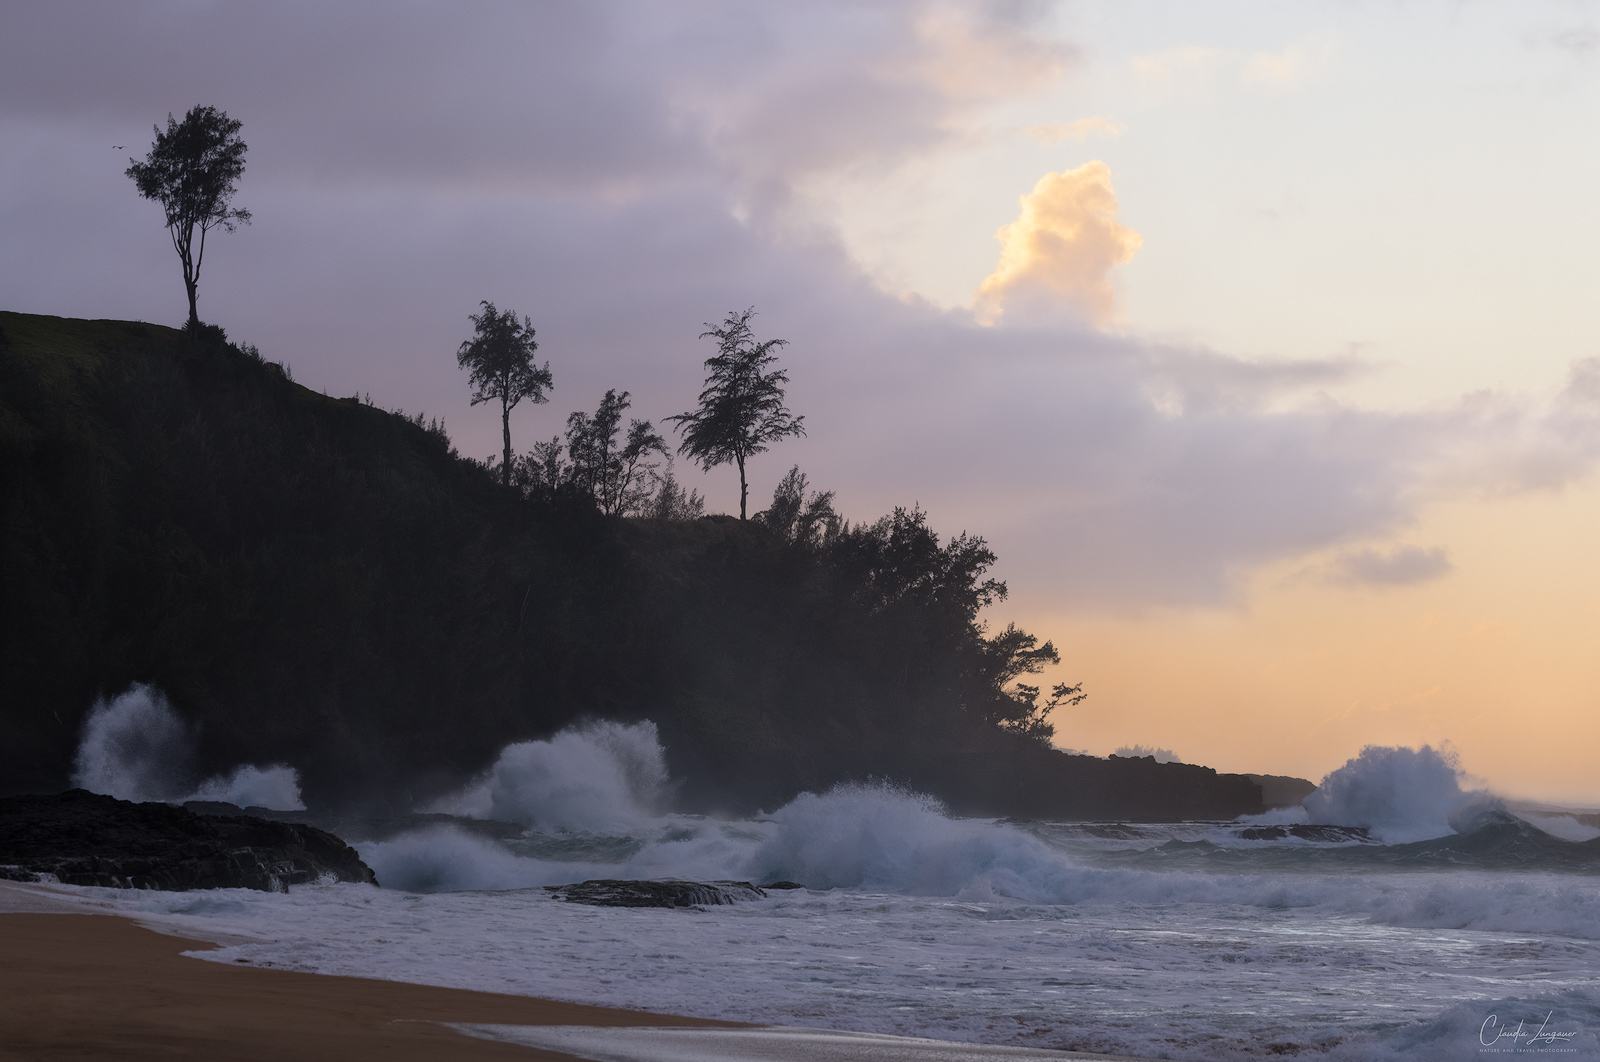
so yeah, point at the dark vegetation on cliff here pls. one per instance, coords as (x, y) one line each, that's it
(319, 582)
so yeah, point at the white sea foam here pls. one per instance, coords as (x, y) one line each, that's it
(1399, 794)
(1191, 976)
(135, 747)
(917, 923)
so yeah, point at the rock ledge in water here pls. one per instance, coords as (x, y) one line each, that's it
(612, 892)
(83, 838)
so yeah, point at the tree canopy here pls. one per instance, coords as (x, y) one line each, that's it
(192, 170)
(741, 409)
(500, 357)
(616, 472)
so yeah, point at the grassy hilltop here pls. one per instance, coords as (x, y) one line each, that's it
(320, 582)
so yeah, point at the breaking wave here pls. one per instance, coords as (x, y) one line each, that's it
(1399, 794)
(880, 838)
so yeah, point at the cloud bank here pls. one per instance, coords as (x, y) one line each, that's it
(623, 173)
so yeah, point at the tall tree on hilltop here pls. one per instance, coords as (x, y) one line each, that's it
(741, 409)
(193, 170)
(500, 356)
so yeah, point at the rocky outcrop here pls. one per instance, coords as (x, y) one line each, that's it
(1282, 790)
(609, 892)
(83, 838)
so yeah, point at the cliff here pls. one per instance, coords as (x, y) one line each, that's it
(319, 582)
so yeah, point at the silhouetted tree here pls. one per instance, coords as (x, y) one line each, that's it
(616, 472)
(741, 409)
(897, 566)
(193, 170)
(500, 356)
(809, 522)
(542, 469)
(1008, 656)
(672, 502)
(899, 559)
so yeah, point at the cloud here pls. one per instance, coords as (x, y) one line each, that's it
(786, 97)
(1076, 131)
(1194, 69)
(1283, 71)
(1190, 382)
(1500, 444)
(1189, 66)
(1401, 566)
(1062, 247)
(1579, 42)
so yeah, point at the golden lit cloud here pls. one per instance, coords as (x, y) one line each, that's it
(1062, 247)
(1077, 131)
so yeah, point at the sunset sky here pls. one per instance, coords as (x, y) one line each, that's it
(1260, 340)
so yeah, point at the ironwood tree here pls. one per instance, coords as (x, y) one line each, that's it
(500, 358)
(193, 170)
(617, 472)
(741, 409)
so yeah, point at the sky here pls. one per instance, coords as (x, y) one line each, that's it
(1259, 339)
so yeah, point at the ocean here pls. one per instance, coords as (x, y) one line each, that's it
(1438, 927)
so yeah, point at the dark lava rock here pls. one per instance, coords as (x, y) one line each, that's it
(610, 892)
(783, 885)
(83, 838)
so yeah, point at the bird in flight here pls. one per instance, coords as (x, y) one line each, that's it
(119, 147)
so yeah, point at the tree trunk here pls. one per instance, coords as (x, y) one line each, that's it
(191, 284)
(194, 314)
(744, 491)
(505, 428)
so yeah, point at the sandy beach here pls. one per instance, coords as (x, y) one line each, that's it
(77, 985)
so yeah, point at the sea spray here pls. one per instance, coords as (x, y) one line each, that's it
(276, 787)
(136, 747)
(599, 777)
(1399, 794)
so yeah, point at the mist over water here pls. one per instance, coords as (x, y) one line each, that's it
(135, 747)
